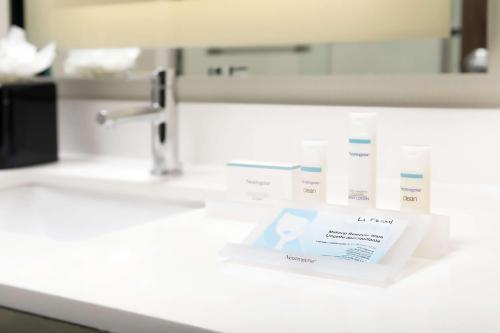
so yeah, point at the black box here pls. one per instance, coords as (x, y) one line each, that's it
(28, 124)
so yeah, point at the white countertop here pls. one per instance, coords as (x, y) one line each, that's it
(167, 274)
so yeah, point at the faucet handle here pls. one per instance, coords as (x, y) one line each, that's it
(158, 87)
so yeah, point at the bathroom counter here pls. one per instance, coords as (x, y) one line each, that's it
(167, 276)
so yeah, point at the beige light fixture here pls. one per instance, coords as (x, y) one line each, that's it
(162, 23)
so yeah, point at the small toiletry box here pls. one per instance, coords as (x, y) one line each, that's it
(28, 124)
(257, 182)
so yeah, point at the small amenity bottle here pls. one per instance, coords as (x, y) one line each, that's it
(313, 171)
(415, 179)
(362, 160)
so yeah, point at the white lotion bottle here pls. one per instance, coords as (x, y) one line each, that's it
(313, 171)
(362, 160)
(415, 179)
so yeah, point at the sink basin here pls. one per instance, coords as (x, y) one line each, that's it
(70, 214)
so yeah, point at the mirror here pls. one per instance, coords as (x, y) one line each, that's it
(444, 37)
(463, 51)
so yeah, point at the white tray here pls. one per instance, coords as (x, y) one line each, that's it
(425, 235)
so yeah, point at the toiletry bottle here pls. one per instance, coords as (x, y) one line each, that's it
(362, 160)
(313, 171)
(415, 179)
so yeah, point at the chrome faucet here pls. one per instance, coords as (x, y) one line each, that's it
(164, 121)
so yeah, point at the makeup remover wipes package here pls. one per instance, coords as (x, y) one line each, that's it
(349, 236)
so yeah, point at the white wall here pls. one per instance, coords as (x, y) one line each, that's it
(466, 143)
(388, 57)
(4, 17)
(382, 57)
